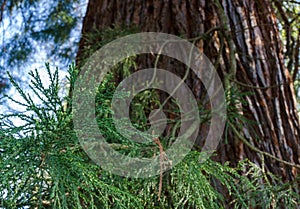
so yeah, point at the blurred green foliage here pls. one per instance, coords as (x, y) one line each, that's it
(31, 28)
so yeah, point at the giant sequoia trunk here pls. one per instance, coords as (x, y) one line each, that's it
(244, 39)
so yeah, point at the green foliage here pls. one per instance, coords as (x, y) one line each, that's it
(262, 189)
(97, 39)
(235, 103)
(42, 165)
(28, 25)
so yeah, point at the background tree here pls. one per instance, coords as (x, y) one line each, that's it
(288, 12)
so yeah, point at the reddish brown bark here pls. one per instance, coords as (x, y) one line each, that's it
(258, 53)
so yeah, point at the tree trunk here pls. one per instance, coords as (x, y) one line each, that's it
(249, 33)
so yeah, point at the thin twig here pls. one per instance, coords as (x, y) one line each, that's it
(262, 87)
(161, 156)
(258, 150)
